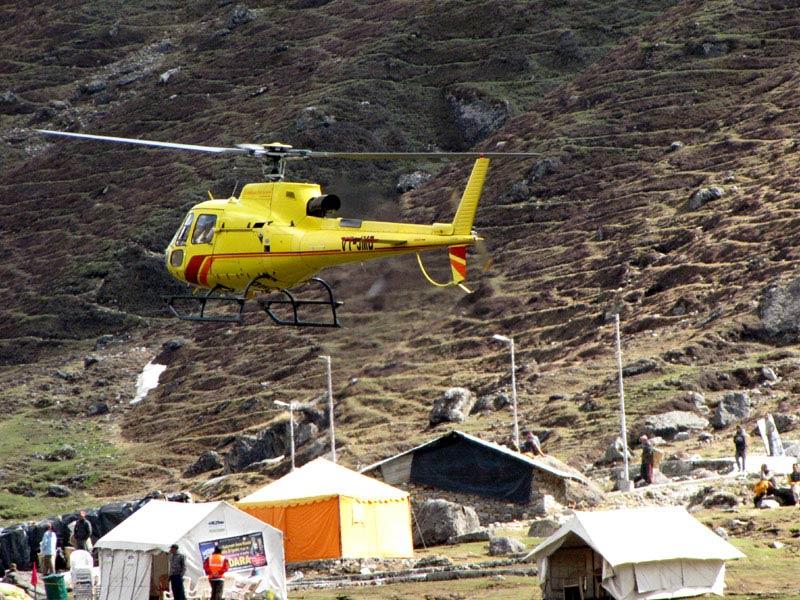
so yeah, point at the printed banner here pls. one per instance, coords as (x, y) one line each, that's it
(244, 552)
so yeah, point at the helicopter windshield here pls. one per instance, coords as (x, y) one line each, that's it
(204, 230)
(183, 232)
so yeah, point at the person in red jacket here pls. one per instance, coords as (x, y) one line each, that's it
(215, 567)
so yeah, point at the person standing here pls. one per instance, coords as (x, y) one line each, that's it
(648, 460)
(215, 567)
(177, 569)
(794, 483)
(82, 533)
(740, 445)
(47, 548)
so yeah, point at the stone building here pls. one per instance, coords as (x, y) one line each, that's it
(501, 483)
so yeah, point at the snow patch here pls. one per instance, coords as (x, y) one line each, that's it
(147, 380)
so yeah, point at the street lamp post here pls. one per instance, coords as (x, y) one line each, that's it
(327, 360)
(625, 484)
(290, 406)
(510, 342)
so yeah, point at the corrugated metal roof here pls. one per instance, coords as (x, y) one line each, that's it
(533, 462)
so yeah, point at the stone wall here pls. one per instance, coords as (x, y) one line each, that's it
(496, 511)
(489, 510)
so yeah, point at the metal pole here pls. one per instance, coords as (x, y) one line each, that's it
(327, 360)
(514, 394)
(622, 404)
(291, 430)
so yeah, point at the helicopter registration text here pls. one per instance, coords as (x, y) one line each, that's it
(366, 242)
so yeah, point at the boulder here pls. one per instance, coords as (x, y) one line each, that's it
(675, 146)
(476, 117)
(721, 499)
(112, 514)
(681, 436)
(481, 535)
(165, 77)
(313, 117)
(703, 196)
(433, 561)
(503, 546)
(238, 16)
(644, 365)
(438, 520)
(768, 375)
(207, 461)
(785, 422)
(58, 491)
(779, 310)
(543, 528)
(792, 449)
(721, 532)
(65, 452)
(97, 409)
(545, 505)
(733, 407)
(615, 451)
(268, 443)
(409, 181)
(669, 423)
(304, 433)
(453, 406)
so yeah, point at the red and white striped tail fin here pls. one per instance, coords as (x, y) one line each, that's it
(458, 265)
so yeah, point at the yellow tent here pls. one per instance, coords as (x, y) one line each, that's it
(328, 511)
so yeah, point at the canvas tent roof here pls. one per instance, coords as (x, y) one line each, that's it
(156, 525)
(538, 463)
(322, 479)
(674, 533)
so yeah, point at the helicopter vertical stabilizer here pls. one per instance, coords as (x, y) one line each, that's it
(465, 213)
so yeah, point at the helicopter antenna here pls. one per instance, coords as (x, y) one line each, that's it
(235, 185)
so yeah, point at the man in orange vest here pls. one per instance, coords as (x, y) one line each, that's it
(215, 567)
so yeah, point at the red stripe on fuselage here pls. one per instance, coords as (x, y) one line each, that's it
(190, 273)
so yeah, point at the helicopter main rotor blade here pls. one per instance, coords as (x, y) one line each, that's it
(106, 138)
(415, 155)
(282, 152)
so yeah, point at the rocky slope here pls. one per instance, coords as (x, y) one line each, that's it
(665, 192)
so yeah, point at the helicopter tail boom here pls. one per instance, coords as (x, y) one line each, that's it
(465, 213)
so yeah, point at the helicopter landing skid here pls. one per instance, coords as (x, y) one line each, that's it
(295, 304)
(201, 302)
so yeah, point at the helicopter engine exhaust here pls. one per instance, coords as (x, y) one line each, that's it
(319, 206)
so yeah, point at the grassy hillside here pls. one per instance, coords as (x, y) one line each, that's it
(602, 224)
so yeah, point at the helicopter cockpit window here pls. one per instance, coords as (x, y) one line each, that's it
(204, 230)
(183, 232)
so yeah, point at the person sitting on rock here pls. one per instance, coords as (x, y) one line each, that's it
(531, 445)
(766, 485)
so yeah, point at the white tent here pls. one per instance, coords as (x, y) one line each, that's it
(632, 554)
(133, 555)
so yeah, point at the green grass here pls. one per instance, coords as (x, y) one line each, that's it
(24, 441)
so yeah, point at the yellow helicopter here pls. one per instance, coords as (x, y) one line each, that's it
(277, 235)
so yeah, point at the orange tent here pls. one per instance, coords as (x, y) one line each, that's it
(328, 511)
